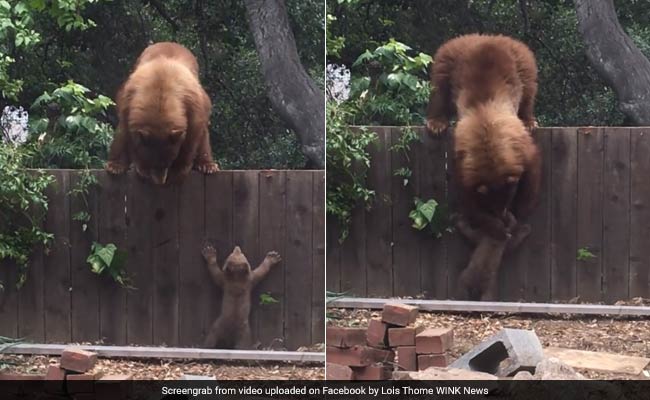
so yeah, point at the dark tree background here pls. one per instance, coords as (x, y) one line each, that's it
(572, 92)
(246, 131)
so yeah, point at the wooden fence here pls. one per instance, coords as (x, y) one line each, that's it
(163, 230)
(595, 197)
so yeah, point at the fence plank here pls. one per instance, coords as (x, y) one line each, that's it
(112, 229)
(333, 256)
(85, 288)
(139, 265)
(616, 215)
(378, 221)
(272, 199)
(353, 255)
(31, 323)
(57, 262)
(639, 213)
(406, 256)
(563, 213)
(590, 212)
(433, 185)
(219, 232)
(8, 299)
(192, 291)
(535, 252)
(318, 259)
(246, 228)
(298, 259)
(164, 260)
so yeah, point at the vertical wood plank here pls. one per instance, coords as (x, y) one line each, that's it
(85, 284)
(219, 194)
(432, 175)
(458, 249)
(318, 259)
(378, 221)
(272, 198)
(57, 262)
(139, 263)
(164, 259)
(298, 261)
(113, 229)
(616, 214)
(246, 229)
(535, 251)
(8, 299)
(406, 256)
(353, 256)
(590, 212)
(333, 256)
(639, 213)
(194, 288)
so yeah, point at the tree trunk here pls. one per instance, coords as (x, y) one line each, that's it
(293, 94)
(615, 57)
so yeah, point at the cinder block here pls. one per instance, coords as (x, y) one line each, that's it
(432, 360)
(338, 372)
(78, 360)
(358, 356)
(399, 314)
(403, 336)
(406, 358)
(344, 337)
(376, 333)
(434, 340)
(520, 349)
(374, 372)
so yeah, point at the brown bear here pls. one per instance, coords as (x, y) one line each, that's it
(163, 114)
(490, 83)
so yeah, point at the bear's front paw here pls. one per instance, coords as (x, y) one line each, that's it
(116, 168)
(208, 168)
(209, 253)
(437, 126)
(273, 257)
(531, 125)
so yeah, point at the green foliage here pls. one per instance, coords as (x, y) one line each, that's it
(68, 127)
(110, 259)
(429, 216)
(24, 205)
(584, 254)
(348, 162)
(266, 299)
(392, 88)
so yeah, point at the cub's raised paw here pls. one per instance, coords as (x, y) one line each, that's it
(531, 125)
(116, 168)
(209, 254)
(437, 126)
(273, 257)
(208, 168)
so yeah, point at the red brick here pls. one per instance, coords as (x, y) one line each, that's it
(337, 372)
(406, 358)
(376, 333)
(20, 377)
(434, 340)
(55, 373)
(358, 356)
(403, 336)
(432, 360)
(78, 360)
(339, 336)
(399, 314)
(374, 372)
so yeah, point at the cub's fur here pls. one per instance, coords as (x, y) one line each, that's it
(236, 280)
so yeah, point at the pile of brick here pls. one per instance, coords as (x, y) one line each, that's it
(72, 376)
(391, 342)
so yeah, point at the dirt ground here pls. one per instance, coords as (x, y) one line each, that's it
(173, 369)
(620, 335)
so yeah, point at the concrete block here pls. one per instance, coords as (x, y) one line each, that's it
(504, 354)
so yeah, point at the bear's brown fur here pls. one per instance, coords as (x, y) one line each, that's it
(236, 280)
(164, 114)
(490, 82)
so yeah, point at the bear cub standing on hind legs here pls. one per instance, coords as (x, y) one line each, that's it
(490, 83)
(164, 114)
(231, 329)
